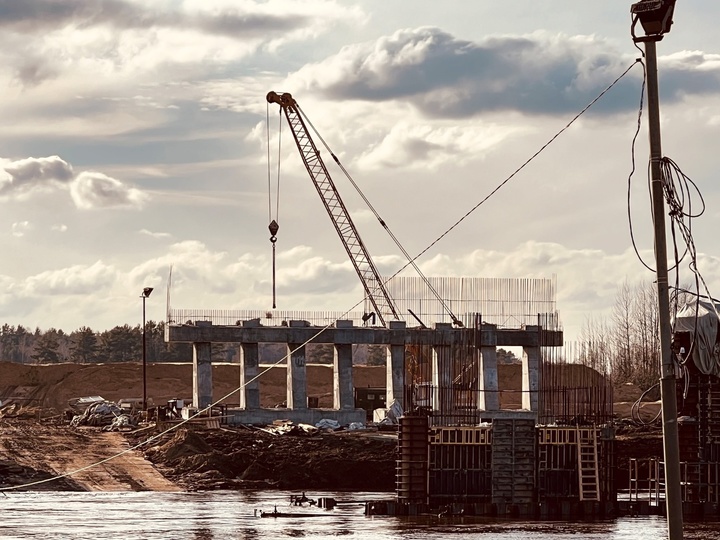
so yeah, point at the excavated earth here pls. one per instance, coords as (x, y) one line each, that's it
(37, 443)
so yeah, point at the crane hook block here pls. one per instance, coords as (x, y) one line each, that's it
(274, 228)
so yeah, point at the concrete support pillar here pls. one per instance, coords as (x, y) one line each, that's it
(343, 387)
(249, 391)
(488, 396)
(530, 377)
(395, 363)
(442, 376)
(296, 378)
(202, 375)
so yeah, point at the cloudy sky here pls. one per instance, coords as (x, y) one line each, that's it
(134, 138)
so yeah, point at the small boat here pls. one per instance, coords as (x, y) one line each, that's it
(276, 514)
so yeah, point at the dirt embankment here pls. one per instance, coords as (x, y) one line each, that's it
(220, 459)
(254, 459)
(46, 389)
(40, 451)
(34, 454)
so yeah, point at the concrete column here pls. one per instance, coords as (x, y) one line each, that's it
(395, 364)
(249, 391)
(296, 378)
(530, 378)
(202, 375)
(441, 375)
(488, 396)
(343, 387)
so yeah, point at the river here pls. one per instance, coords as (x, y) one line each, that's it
(232, 515)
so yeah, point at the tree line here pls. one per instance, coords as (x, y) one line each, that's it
(85, 345)
(626, 345)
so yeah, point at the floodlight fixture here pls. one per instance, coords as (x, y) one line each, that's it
(655, 16)
(147, 291)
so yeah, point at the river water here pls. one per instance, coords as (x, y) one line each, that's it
(232, 515)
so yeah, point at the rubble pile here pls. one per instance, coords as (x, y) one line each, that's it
(104, 413)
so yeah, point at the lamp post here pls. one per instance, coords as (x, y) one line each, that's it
(146, 292)
(655, 16)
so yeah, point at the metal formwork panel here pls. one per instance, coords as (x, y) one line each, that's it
(460, 464)
(461, 435)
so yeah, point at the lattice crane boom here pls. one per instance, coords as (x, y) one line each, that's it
(340, 217)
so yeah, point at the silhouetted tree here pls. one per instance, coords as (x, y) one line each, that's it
(84, 347)
(46, 350)
(121, 344)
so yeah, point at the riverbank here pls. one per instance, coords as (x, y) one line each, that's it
(37, 455)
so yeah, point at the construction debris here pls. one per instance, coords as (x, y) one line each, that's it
(103, 413)
(287, 427)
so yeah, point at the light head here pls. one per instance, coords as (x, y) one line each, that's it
(655, 16)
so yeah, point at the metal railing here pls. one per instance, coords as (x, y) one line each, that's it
(233, 317)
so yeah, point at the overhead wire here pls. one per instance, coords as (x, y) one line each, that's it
(382, 222)
(520, 168)
(288, 356)
(677, 188)
(174, 427)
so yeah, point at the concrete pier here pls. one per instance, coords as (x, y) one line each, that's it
(489, 396)
(202, 375)
(443, 339)
(530, 375)
(395, 363)
(442, 374)
(249, 385)
(343, 389)
(296, 377)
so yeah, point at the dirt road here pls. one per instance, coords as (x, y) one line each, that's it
(59, 449)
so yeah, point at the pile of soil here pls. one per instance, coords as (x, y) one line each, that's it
(255, 459)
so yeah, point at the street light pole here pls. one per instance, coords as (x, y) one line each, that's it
(656, 19)
(146, 292)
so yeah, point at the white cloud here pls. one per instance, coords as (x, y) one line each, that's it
(539, 73)
(155, 234)
(420, 145)
(74, 280)
(59, 228)
(19, 228)
(22, 179)
(96, 190)
(25, 176)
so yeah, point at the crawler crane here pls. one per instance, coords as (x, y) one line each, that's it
(367, 272)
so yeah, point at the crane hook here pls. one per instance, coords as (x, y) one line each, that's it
(273, 227)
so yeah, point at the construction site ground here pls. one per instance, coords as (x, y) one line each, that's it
(37, 443)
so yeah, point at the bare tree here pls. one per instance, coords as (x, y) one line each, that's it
(646, 335)
(621, 335)
(596, 349)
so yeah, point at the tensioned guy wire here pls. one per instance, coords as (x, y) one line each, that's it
(287, 357)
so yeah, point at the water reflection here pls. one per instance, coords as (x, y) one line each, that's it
(250, 534)
(226, 515)
(203, 534)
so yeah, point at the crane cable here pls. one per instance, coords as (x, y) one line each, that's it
(273, 227)
(288, 355)
(411, 260)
